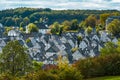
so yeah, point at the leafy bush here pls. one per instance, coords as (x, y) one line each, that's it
(70, 74)
(41, 75)
(6, 76)
(99, 66)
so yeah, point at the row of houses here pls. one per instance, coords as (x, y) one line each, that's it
(46, 48)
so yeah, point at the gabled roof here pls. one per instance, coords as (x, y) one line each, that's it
(53, 49)
(77, 55)
(29, 44)
(21, 42)
(42, 45)
(13, 33)
(68, 46)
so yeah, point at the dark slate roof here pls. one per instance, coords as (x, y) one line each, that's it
(6, 40)
(43, 27)
(68, 46)
(59, 41)
(21, 42)
(50, 50)
(53, 49)
(74, 40)
(52, 43)
(46, 38)
(41, 44)
(29, 44)
(40, 56)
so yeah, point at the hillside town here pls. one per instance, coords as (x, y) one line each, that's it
(46, 48)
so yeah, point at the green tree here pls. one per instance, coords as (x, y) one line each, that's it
(22, 24)
(114, 27)
(56, 25)
(14, 59)
(79, 39)
(60, 31)
(21, 29)
(74, 24)
(103, 18)
(7, 29)
(82, 25)
(41, 20)
(66, 71)
(32, 28)
(55, 28)
(98, 28)
(89, 29)
(66, 25)
(109, 48)
(16, 21)
(37, 66)
(90, 21)
(26, 20)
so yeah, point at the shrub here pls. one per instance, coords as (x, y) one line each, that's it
(70, 74)
(41, 75)
(99, 66)
(6, 76)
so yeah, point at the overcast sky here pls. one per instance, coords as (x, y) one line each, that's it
(61, 4)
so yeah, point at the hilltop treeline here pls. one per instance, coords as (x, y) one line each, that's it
(23, 16)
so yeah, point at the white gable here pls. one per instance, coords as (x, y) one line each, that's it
(92, 54)
(115, 40)
(47, 46)
(94, 44)
(77, 55)
(95, 37)
(2, 43)
(104, 37)
(99, 48)
(63, 39)
(37, 46)
(48, 54)
(83, 45)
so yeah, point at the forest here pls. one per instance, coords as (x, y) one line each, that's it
(23, 16)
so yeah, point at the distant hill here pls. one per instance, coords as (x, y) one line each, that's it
(17, 17)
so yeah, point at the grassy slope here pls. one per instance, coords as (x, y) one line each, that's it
(106, 78)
